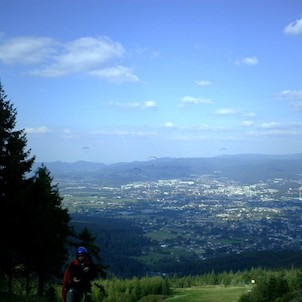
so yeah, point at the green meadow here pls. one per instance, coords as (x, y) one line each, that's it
(209, 294)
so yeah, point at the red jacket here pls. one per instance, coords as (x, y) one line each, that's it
(78, 276)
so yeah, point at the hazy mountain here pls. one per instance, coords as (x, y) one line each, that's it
(64, 167)
(246, 168)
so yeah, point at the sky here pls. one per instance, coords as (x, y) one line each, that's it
(124, 80)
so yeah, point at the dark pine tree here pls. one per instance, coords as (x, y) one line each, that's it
(15, 163)
(85, 238)
(47, 228)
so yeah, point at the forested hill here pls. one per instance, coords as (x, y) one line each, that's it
(245, 168)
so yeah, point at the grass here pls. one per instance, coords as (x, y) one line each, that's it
(194, 294)
(209, 294)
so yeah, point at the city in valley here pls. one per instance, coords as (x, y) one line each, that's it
(205, 215)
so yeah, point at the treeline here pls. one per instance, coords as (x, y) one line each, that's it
(279, 286)
(131, 290)
(36, 230)
(265, 286)
(236, 262)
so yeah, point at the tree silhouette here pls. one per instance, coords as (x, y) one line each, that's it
(47, 228)
(35, 227)
(85, 238)
(15, 163)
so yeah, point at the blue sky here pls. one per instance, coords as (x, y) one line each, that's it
(122, 80)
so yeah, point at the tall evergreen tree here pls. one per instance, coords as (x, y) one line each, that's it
(47, 228)
(85, 238)
(15, 163)
(34, 223)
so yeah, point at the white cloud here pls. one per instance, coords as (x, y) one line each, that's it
(27, 50)
(68, 134)
(169, 125)
(298, 106)
(67, 131)
(150, 104)
(88, 52)
(247, 61)
(226, 111)
(135, 105)
(189, 100)
(38, 130)
(278, 130)
(96, 56)
(270, 125)
(274, 132)
(116, 74)
(126, 133)
(294, 28)
(250, 114)
(247, 123)
(203, 83)
(195, 128)
(83, 54)
(291, 94)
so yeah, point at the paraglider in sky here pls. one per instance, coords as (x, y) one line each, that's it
(152, 158)
(223, 149)
(86, 149)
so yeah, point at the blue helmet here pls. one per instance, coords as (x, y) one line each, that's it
(82, 251)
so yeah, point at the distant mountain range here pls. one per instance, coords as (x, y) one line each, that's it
(246, 168)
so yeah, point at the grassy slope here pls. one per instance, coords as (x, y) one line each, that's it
(195, 294)
(209, 294)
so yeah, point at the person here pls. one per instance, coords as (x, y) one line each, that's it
(77, 277)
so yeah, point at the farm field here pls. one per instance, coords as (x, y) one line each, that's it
(209, 294)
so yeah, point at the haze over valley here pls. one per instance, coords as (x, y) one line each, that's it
(184, 210)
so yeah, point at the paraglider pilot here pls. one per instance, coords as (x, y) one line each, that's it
(77, 277)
